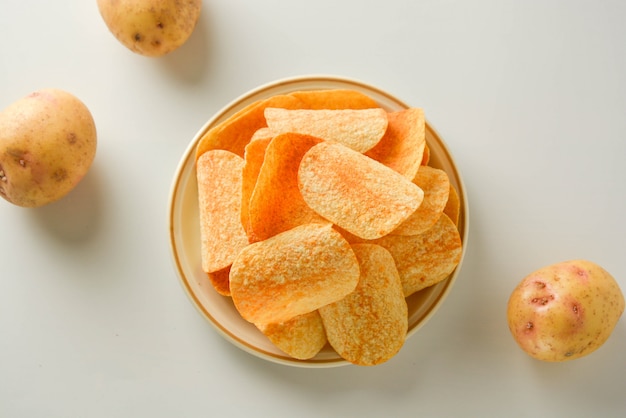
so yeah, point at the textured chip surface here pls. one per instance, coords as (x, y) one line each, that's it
(436, 186)
(369, 326)
(425, 259)
(301, 337)
(355, 192)
(359, 129)
(219, 175)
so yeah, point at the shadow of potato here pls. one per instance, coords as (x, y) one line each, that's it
(76, 217)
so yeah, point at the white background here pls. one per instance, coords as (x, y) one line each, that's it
(529, 95)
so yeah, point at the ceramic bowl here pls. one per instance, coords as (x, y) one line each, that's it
(184, 228)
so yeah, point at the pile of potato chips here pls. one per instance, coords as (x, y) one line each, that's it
(319, 216)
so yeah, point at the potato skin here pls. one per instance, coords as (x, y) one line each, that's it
(151, 27)
(47, 144)
(564, 311)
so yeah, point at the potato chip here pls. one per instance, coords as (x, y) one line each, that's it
(426, 155)
(369, 325)
(253, 160)
(436, 186)
(334, 99)
(292, 273)
(359, 129)
(402, 147)
(426, 259)
(219, 175)
(234, 133)
(262, 133)
(301, 337)
(453, 206)
(276, 204)
(355, 192)
(220, 282)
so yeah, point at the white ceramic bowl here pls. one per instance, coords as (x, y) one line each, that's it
(185, 231)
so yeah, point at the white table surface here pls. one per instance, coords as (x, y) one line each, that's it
(529, 95)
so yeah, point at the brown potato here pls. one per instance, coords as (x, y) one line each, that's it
(564, 311)
(151, 27)
(47, 144)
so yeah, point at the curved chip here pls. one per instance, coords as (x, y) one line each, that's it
(453, 205)
(253, 160)
(334, 99)
(301, 337)
(276, 204)
(355, 192)
(436, 186)
(426, 259)
(292, 273)
(359, 129)
(235, 133)
(402, 147)
(219, 175)
(369, 326)
(220, 282)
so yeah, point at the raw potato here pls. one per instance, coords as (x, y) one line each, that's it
(151, 27)
(564, 311)
(47, 144)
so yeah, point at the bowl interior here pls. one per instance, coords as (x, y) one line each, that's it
(185, 229)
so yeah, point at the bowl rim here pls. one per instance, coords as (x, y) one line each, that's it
(223, 113)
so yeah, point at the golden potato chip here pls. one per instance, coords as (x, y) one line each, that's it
(219, 175)
(369, 326)
(292, 273)
(253, 159)
(301, 337)
(355, 192)
(402, 147)
(220, 282)
(334, 99)
(453, 206)
(436, 186)
(359, 129)
(234, 133)
(276, 204)
(426, 259)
